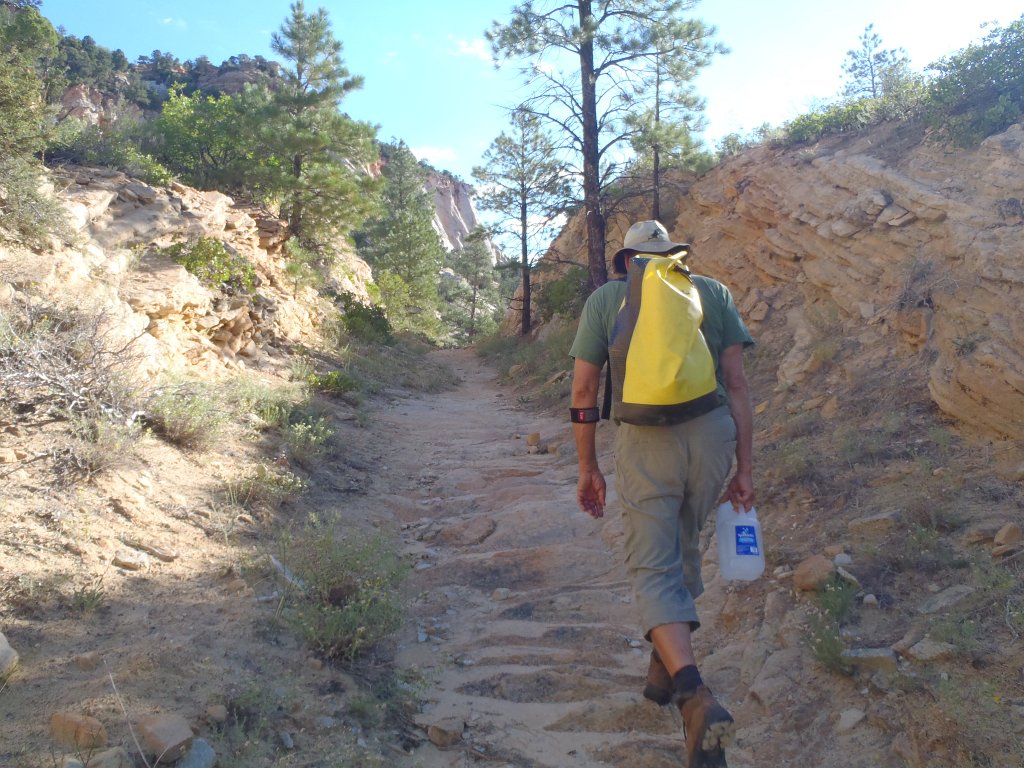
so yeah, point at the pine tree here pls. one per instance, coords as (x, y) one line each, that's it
(316, 154)
(473, 304)
(613, 41)
(869, 68)
(525, 183)
(662, 129)
(27, 40)
(402, 246)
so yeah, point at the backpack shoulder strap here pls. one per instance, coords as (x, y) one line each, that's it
(606, 406)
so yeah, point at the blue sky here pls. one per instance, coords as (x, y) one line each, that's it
(431, 83)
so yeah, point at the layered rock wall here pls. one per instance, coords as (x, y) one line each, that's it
(914, 246)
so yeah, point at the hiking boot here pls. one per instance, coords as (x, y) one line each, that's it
(708, 727)
(713, 759)
(659, 682)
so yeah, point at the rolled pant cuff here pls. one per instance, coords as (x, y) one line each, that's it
(694, 625)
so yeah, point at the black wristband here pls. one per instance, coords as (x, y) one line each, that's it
(584, 415)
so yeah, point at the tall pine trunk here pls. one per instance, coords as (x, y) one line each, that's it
(295, 214)
(656, 179)
(598, 268)
(523, 232)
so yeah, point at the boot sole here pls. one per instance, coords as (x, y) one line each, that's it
(713, 759)
(719, 734)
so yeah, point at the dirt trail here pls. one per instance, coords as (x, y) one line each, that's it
(524, 627)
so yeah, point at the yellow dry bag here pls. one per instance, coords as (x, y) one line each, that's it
(661, 369)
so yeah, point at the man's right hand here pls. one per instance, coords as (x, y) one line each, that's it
(590, 490)
(739, 491)
(586, 378)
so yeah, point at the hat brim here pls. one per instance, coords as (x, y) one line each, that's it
(651, 246)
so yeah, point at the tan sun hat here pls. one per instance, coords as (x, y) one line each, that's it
(645, 237)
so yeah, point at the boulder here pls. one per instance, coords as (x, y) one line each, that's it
(871, 659)
(166, 736)
(945, 599)
(76, 731)
(813, 573)
(117, 757)
(447, 732)
(1009, 535)
(8, 658)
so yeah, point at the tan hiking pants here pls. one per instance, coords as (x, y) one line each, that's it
(669, 479)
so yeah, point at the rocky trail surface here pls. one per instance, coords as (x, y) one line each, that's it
(523, 628)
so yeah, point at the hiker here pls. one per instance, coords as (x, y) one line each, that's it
(668, 479)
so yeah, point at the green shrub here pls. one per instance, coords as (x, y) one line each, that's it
(962, 632)
(307, 438)
(98, 444)
(836, 598)
(967, 96)
(826, 644)
(264, 486)
(921, 549)
(848, 117)
(110, 146)
(215, 266)
(499, 347)
(367, 323)
(534, 359)
(563, 295)
(300, 368)
(352, 598)
(834, 602)
(979, 90)
(332, 383)
(404, 364)
(29, 215)
(190, 415)
(542, 367)
(247, 396)
(90, 597)
(302, 267)
(797, 461)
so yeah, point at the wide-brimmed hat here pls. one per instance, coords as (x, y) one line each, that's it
(645, 237)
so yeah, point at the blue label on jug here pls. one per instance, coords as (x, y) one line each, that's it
(746, 540)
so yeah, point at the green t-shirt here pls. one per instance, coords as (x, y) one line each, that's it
(722, 327)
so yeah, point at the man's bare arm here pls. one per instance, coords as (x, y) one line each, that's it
(740, 490)
(590, 489)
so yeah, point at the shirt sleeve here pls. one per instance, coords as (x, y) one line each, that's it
(591, 342)
(734, 330)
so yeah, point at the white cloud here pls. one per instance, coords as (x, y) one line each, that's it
(170, 21)
(436, 156)
(478, 48)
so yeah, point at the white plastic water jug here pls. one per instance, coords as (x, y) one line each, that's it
(740, 547)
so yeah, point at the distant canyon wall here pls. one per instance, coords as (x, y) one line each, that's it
(456, 214)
